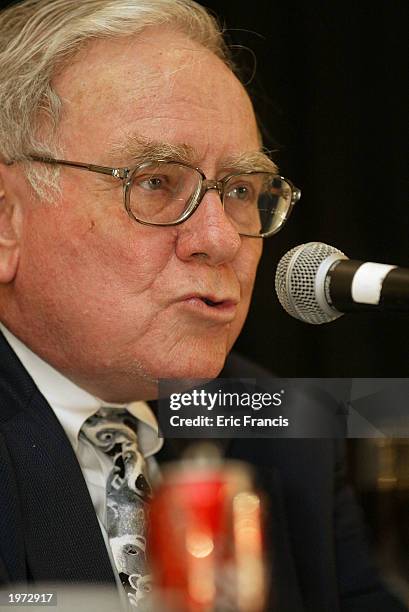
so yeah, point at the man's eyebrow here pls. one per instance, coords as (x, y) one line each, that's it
(251, 161)
(138, 150)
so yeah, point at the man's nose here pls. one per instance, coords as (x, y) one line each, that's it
(208, 233)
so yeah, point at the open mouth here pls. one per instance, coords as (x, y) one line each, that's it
(207, 305)
(210, 302)
(219, 310)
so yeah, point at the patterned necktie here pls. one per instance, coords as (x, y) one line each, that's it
(114, 431)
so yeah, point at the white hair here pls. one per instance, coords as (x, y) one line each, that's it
(39, 37)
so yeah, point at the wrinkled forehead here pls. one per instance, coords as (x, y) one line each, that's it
(158, 80)
(158, 55)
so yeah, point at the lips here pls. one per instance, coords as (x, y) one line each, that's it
(213, 307)
(213, 301)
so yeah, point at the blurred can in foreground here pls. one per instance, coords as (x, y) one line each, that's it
(206, 539)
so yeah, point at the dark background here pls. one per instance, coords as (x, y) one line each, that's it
(330, 92)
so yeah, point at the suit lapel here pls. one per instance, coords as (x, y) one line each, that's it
(12, 554)
(62, 538)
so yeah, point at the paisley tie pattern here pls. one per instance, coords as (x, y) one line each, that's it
(114, 432)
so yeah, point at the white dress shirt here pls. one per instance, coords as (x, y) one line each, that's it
(72, 407)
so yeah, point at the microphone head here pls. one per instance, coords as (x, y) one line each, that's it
(301, 282)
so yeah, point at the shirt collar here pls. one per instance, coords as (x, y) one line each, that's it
(73, 405)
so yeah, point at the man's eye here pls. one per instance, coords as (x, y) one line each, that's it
(152, 183)
(240, 192)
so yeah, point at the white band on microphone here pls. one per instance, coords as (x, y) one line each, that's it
(366, 285)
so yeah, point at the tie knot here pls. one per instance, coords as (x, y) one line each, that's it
(112, 430)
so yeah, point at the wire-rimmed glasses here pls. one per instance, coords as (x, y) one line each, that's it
(167, 193)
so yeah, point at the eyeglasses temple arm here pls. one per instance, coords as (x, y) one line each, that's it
(120, 173)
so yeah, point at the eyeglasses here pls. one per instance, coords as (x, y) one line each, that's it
(166, 193)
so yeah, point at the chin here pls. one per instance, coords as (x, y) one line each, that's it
(182, 372)
(190, 357)
(208, 367)
(206, 362)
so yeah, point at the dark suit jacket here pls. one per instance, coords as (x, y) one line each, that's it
(49, 531)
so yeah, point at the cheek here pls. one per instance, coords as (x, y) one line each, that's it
(82, 255)
(246, 265)
(245, 268)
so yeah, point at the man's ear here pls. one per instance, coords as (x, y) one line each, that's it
(9, 238)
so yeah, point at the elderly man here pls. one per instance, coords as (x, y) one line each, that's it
(134, 197)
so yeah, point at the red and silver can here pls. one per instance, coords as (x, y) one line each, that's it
(206, 539)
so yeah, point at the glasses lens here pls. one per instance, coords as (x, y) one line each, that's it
(162, 192)
(258, 203)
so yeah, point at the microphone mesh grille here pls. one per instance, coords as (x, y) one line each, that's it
(295, 282)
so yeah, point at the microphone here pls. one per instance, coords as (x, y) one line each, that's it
(316, 283)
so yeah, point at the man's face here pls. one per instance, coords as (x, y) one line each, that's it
(112, 303)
